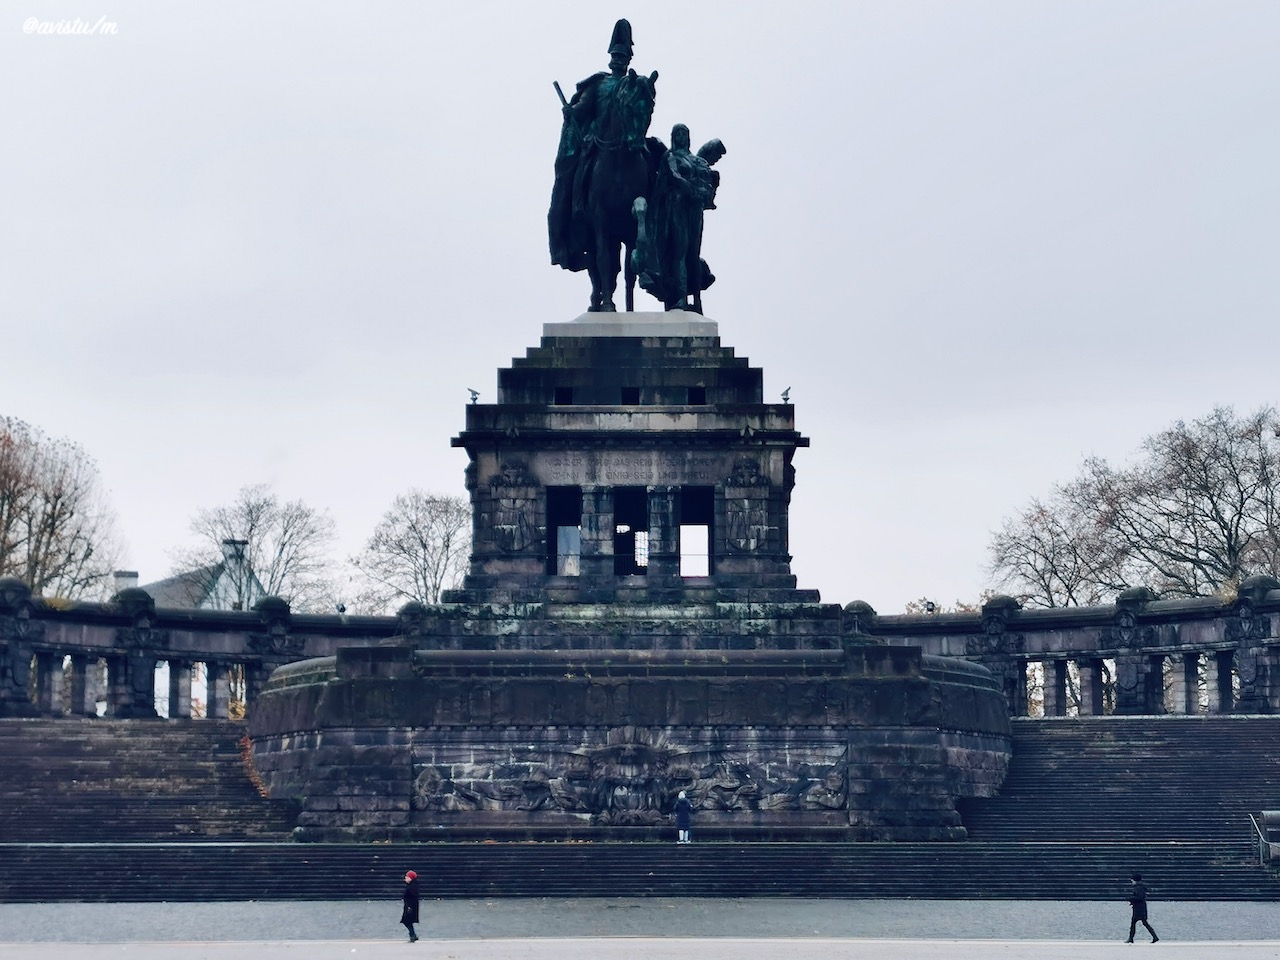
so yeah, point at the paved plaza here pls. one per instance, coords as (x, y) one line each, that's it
(655, 929)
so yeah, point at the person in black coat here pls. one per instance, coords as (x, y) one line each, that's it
(1138, 900)
(409, 915)
(684, 814)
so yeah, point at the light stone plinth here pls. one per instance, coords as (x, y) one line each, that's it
(650, 323)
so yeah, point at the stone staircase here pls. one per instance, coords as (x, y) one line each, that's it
(1087, 803)
(89, 780)
(262, 871)
(1148, 779)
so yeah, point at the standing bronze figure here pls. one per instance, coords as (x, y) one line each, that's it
(668, 254)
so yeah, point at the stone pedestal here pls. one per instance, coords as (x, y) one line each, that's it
(629, 627)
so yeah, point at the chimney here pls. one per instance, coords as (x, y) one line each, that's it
(233, 551)
(125, 579)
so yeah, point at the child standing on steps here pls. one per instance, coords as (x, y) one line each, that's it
(684, 814)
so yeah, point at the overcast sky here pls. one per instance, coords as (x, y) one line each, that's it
(275, 242)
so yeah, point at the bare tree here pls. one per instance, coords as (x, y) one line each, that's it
(419, 549)
(57, 533)
(1054, 553)
(266, 548)
(1197, 513)
(930, 607)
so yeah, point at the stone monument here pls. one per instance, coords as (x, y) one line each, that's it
(630, 628)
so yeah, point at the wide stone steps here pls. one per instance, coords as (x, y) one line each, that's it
(1085, 804)
(1133, 778)
(177, 872)
(85, 780)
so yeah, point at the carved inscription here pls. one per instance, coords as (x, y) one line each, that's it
(631, 469)
(565, 468)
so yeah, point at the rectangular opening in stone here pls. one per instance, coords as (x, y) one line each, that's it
(630, 531)
(697, 396)
(564, 396)
(564, 528)
(697, 512)
(630, 396)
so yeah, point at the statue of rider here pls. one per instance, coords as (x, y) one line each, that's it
(567, 227)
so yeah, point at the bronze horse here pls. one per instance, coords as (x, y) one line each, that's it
(618, 169)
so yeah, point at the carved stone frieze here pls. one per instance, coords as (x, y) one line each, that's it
(634, 781)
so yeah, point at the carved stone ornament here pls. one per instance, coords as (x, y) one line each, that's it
(1247, 624)
(994, 640)
(747, 523)
(513, 474)
(15, 667)
(515, 526)
(276, 642)
(1249, 667)
(1125, 632)
(746, 473)
(142, 636)
(21, 628)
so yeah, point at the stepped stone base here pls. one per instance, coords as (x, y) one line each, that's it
(859, 742)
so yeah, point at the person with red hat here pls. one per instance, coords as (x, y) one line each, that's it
(409, 915)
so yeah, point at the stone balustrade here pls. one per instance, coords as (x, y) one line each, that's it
(112, 649)
(1140, 655)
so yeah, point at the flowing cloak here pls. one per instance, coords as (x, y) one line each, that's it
(566, 220)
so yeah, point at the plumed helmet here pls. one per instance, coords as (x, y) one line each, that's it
(621, 40)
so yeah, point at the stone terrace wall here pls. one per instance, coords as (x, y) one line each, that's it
(870, 742)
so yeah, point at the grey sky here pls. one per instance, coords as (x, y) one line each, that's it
(276, 242)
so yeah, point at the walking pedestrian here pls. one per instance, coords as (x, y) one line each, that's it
(684, 816)
(409, 915)
(1138, 900)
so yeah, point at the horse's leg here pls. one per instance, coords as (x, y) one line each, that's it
(629, 270)
(594, 273)
(608, 267)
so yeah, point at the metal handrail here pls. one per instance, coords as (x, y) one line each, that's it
(1266, 849)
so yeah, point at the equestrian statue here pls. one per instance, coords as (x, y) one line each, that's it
(622, 200)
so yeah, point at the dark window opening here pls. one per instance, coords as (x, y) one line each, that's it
(630, 531)
(564, 531)
(564, 396)
(631, 395)
(697, 518)
(697, 396)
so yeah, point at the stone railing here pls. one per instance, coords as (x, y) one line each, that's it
(112, 651)
(1138, 656)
